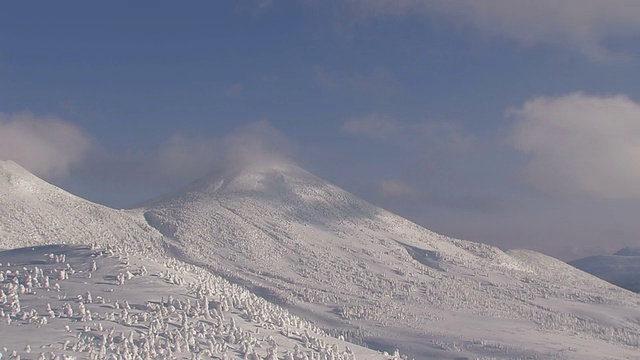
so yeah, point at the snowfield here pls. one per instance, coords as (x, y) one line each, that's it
(344, 267)
(82, 302)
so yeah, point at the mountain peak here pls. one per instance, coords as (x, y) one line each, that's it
(273, 165)
(259, 176)
(629, 251)
(281, 179)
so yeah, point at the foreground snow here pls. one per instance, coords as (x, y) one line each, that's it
(96, 304)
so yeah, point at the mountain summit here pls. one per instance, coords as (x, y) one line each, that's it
(377, 278)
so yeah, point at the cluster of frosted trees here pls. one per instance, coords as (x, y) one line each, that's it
(201, 316)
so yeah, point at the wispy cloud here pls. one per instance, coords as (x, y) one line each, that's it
(387, 128)
(235, 90)
(254, 7)
(580, 144)
(425, 155)
(47, 146)
(583, 26)
(373, 126)
(377, 82)
(397, 189)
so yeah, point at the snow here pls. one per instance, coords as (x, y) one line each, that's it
(34, 212)
(94, 303)
(331, 257)
(341, 265)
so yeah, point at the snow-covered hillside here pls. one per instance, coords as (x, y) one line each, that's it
(378, 278)
(67, 302)
(621, 268)
(34, 212)
(352, 269)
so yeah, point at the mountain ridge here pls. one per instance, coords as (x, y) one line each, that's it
(358, 271)
(621, 269)
(327, 255)
(35, 212)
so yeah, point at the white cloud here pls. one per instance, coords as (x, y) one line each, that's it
(47, 146)
(581, 25)
(579, 143)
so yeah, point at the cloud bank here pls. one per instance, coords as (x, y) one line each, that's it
(583, 26)
(580, 144)
(47, 146)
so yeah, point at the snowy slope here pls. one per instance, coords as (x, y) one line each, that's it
(331, 257)
(34, 212)
(356, 270)
(621, 268)
(90, 303)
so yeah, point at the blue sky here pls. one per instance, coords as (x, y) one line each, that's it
(515, 123)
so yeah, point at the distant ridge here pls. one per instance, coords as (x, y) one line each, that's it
(621, 268)
(629, 251)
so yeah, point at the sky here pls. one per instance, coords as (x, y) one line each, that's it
(513, 123)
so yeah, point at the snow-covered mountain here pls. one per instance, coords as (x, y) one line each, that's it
(621, 268)
(375, 277)
(120, 295)
(34, 212)
(354, 270)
